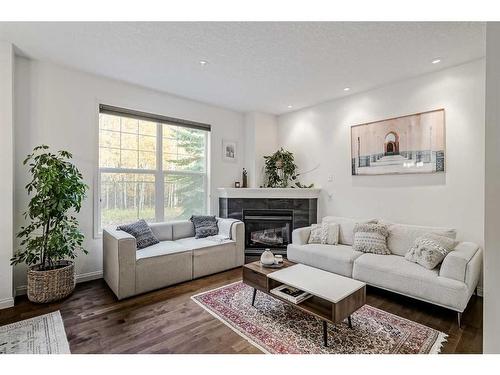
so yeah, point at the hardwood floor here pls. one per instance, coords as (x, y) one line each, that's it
(168, 321)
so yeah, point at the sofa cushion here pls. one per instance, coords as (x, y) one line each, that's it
(334, 258)
(182, 229)
(160, 249)
(402, 237)
(212, 259)
(346, 231)
(162, 231)
(395, 273)
(192, 243)
(160, 271)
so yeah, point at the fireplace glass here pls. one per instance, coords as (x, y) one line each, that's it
(267, 229)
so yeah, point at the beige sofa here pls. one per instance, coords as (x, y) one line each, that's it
(178, 257)
(449, 285)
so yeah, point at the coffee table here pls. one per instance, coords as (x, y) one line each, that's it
(334, 297)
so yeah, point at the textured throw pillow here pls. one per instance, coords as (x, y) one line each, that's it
(430, 249)
(144, 237)
(204, 226)
(325, 233)
(371, 238)
(316, 234)
(330, 233)
(346, 230)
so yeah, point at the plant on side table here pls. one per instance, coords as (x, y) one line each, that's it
(52, 236)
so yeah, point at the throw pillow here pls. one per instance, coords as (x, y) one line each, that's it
(204, 226)
(316, 234)
(430, 249)
(371, 238)
(325, 233)
(144, 237)
(330, 233)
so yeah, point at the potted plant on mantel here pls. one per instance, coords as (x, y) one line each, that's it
(52, 236)
(280, 169)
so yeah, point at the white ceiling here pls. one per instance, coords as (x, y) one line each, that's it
(252, 66)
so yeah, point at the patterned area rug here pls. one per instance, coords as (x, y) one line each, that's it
(40, 335)
(276, 327)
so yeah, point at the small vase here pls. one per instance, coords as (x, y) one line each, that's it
(267, 258)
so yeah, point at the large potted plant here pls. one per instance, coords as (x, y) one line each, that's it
(52, 236)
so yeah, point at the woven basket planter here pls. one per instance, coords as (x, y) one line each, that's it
(51, 285)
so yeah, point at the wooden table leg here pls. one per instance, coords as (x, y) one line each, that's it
(325, 334)
(349, 321)
(253, 296)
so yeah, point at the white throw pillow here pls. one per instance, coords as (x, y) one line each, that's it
(324, 233)
(371, 238)
(430, 250)
(316, 234)
(330, 233)
(346, 230)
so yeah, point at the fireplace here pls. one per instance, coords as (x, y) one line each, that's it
(270, 215)
(267, 229)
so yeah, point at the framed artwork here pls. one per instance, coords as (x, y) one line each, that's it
(229, 152)
(408, 144)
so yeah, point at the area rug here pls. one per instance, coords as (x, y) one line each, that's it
(43, 334)
(276, 327)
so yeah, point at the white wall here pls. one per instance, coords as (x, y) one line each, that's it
(261, 139)
(321, 135)
(491, 326)
(59, 107)
(6, 171)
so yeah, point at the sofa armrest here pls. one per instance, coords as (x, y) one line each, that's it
(238, 235)
(300, 236)
(456, 263)
(119, 257)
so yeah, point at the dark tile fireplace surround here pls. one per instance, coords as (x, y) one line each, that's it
(269, 222)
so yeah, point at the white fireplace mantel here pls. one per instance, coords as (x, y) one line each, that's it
(291, 193)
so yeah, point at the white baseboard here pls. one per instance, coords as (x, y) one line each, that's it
(89, 276)
(22, 289)
(6, 302)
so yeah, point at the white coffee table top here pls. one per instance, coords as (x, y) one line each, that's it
(323, 284)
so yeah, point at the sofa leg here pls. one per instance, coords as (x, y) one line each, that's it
(459, 316)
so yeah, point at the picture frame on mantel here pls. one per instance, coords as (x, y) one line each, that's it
(411, 144)
(229, 151)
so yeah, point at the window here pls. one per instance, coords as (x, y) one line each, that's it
(150, 167)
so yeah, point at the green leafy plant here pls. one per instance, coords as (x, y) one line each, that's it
(57, 188)
(280, 170)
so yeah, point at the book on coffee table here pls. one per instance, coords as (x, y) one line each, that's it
(290, 293)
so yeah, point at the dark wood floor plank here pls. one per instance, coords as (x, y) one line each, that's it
(168, 321)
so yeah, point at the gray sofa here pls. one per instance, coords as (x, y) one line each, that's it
(449, 285)
(178, 257)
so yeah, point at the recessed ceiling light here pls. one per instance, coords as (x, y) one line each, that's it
(203, 62)
(347, 88)
(289, 106)
(436, 61)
